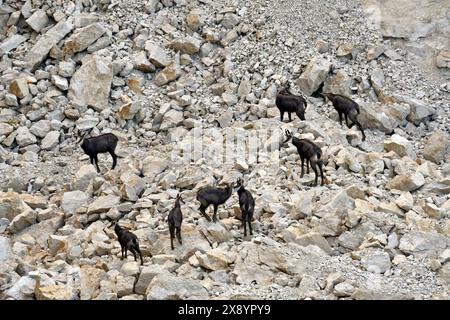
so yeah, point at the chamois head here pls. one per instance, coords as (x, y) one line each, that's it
(239, 183)
(286, 88)
(179, 199)
(326, 95)
(115, 224)
(288, 135)
(81, 138)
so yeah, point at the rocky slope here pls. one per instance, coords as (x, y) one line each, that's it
(421, 27)
(177, 81)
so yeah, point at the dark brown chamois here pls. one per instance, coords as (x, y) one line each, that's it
(215, 196)
(175, 219)
(100, 144)
(288, 102)
(247, 205)
(347, 107)
(128, 241)
(309, 151)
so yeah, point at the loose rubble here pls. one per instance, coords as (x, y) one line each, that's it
(152, 73)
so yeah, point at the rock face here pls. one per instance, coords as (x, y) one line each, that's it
(372, 117)
(84, 176)
(377, 262)
(157, 55)
(423, 243)
(189, 89)
(313, 238)
(54, 292)
(165, 286)
(436, 147)
(82, 38)
(424, 33)
(142, 64)
(11, 43)
(443, 59)
(38, 20)
(420, 111)
(11, 205)
(5, 250)
(195, 19)
(145, 277)
(90, 278)
(132, 187)
(24, 137)
(5, 129)
(91, 83)
(168, 74)
(405, 182)
(314, 75)
(103, 204)
(129, 110)
(19, 88)
(344, 289)
(338, 84)
(405, 201)
(22, 221)
(73, 200)
(188, 44)
(400, 146)
(216, 259)
(153, 166)
(50, 141)
(40, 50)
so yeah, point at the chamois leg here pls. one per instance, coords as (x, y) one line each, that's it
(352, 115)
(362, 131)
(307, 165)
(302, 173)
(171, 229)
(126, 253)
(360, 128)
(215, 213)
(179, 235)
(354, 119)
(114, 157)
(244, 219)
(340, 117)
(301, 115)
(290, 116)
(249, 220)
(351, 124)
(316, 174)
(281, 115)
(320, 165)
(96, 163)
(92, 159)
(140, 255)
(122, 250)
(346, 120)
(133, 251)
(202, 211)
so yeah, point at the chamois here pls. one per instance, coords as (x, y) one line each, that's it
(215, 196)
(288, 102)
(348, 107)
(309, 151)
(247, 205)
(128, 241)
(174, 219)
(100, 144)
